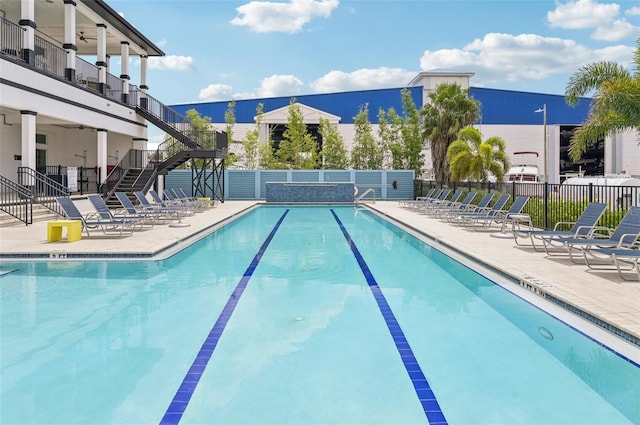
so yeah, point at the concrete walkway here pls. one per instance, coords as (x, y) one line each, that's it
(602, 295)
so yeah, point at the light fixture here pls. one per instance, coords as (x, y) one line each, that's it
(544, 124)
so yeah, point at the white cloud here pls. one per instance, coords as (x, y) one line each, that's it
(362, 79)
(171, 63)
(162, 42)
(589, 14)
(505, 57)
(582, 14)
(273, 86)
(279, 85)
(634, 11)
(289, 17)
(616, 30)
(214, 92)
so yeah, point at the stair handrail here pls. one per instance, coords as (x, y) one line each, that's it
(169, 117)
(44, 190)
(16, 200)
(140, 160)
(365, 193)
(133, 159)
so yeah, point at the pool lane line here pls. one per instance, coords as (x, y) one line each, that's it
(190, 382)
(423, 390)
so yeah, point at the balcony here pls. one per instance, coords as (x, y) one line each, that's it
(51, 60)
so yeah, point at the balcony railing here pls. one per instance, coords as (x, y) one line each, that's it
(52, 60)
(11, 35)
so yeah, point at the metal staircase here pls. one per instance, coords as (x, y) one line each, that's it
(139, 169)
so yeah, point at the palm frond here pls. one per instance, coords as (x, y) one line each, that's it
(589, 78)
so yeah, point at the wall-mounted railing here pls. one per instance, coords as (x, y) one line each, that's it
(15, 200)
(44, 190)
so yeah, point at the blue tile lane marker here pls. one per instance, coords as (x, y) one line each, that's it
(423, 390)
(185, 391)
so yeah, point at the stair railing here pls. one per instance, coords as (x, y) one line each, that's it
(44, 190)
(134, 159)
(16, 200)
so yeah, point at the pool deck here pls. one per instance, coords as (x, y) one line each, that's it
(601, 294)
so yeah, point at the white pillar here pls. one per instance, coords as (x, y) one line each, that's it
(70, 39)
(101, 59)
(28, 24)
(28, 138)
(140, 144)
(101, 135)
(124, 75)
(143, 74)
(160, 184)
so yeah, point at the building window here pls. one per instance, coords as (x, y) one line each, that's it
(591, 163)
(41, 139)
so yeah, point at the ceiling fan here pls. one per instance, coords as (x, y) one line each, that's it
(73, 126)
(84, 38)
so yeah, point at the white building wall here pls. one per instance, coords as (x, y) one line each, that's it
(630, 153)
(10, 145)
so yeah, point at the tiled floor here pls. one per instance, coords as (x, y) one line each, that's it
(603, 295)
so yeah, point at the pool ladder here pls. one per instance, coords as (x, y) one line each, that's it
(360, 198)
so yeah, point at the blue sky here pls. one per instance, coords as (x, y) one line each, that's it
(219, 50)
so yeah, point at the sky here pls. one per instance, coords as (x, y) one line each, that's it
(219, 50)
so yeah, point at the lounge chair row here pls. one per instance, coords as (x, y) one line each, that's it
(583, 240)
(131, 217)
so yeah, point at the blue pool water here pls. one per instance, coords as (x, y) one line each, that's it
(300, 315)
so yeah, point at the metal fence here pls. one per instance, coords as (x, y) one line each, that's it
(552, 203)
(87, 177)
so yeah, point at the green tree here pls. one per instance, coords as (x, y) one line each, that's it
(366, 154)
(389, 132)
(201, 129)
(298, 149)
(251, 140)
(616, 102)
(334, 150)
(230, 121)
(411, 129)
(202, 132)
(470, 157)
(448, 111)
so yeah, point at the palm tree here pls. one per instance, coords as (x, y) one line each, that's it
(616, 102)
(470, 157)
(449, 110)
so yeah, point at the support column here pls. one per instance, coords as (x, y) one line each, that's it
(28, 24)
(70, 39)
(28, 138)
(160, 184)
(101, 59)
(143, 82)
(124, 76)
(101, 135)
(140, 143)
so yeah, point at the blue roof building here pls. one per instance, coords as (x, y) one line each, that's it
(509, 114)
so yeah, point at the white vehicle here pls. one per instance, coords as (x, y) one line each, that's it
(524, 172)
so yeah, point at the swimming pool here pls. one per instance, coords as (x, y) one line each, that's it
(295, 315)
